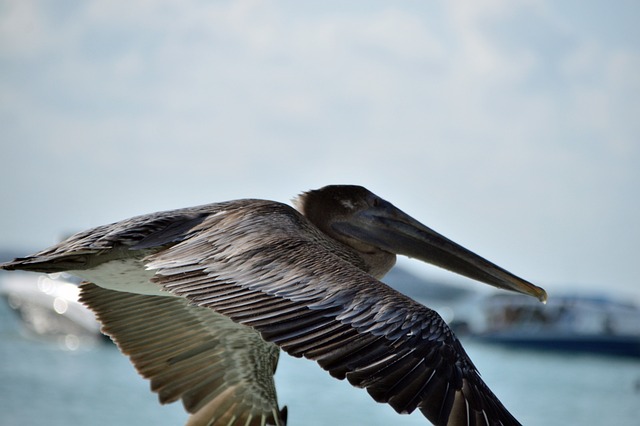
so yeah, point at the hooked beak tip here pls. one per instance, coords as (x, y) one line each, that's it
(526, 288)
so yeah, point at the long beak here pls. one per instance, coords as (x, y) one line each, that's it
(392, 230)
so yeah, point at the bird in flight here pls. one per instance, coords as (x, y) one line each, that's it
(203, 299)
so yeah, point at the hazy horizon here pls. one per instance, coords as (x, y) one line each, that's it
(511, 127)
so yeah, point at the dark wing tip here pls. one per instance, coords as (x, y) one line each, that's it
(284, 413)
(8, 266)
(46, 265)
(19, 264)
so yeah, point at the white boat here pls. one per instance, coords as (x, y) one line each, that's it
(48, 308)
(567, 323)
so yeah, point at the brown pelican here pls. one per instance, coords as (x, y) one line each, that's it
(202, 299)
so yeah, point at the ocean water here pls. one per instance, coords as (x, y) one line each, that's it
(43, 384)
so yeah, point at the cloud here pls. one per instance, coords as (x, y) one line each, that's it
(518, 115)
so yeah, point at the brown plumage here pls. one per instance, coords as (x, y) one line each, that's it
(200, 299)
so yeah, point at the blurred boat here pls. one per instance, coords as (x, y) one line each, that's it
(569, 323)
(47, 307)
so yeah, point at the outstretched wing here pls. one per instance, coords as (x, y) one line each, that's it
(222, 371)
(265, 266)
(125, 239)
(300, 293)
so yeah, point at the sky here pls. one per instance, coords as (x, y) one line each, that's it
(512, 127)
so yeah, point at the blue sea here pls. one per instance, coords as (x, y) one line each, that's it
(41, 383)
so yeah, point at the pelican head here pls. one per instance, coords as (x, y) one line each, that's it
(360, 219)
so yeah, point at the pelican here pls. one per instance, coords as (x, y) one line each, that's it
(202, 300)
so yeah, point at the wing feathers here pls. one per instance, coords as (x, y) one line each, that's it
(264, 266)
(222, 371)
(400, 351)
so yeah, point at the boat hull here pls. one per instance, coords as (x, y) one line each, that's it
(619, 345)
